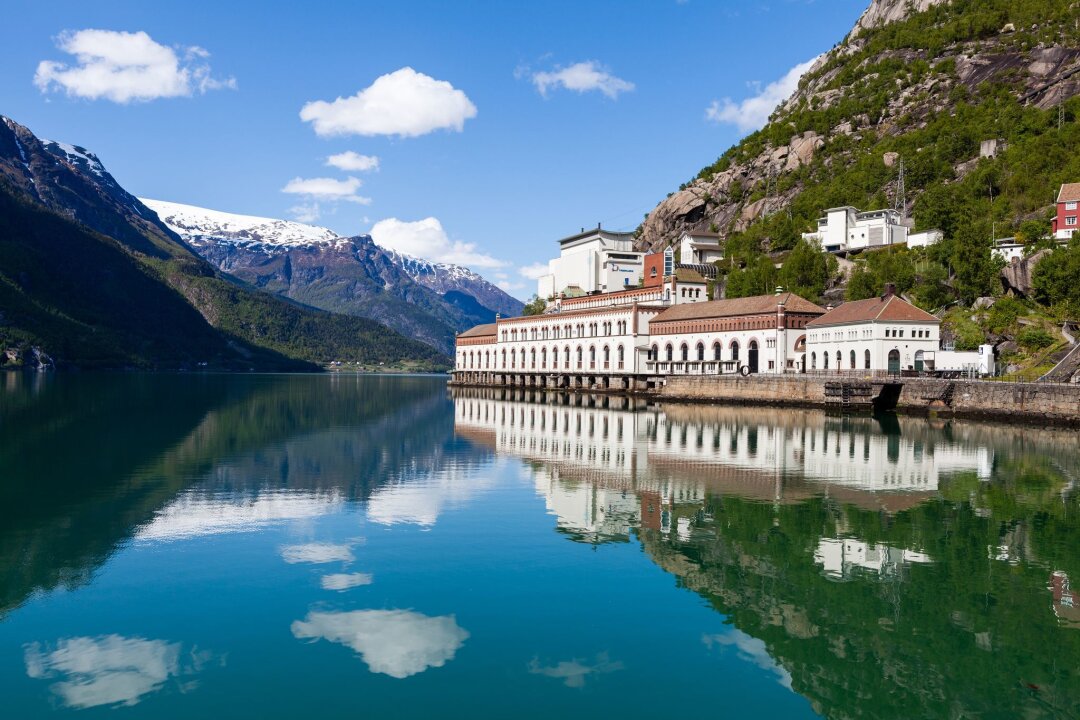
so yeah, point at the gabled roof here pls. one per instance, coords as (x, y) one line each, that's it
(755, 305)
(1070, 192)
(888, 308)
(480, 331)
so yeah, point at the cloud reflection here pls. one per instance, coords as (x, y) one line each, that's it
(345, 581)
(398, 643)
(752, 650)
(317, 553)
(573, 672)
(108, 669)
(421, 501)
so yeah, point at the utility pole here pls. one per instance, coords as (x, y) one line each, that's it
(1061, 114)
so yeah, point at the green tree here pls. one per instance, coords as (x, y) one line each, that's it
(759, 277)
(1056, 279)
(807, 270)
(974, 266)
(535, 306)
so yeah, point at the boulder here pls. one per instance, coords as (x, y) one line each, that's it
(1016, 276)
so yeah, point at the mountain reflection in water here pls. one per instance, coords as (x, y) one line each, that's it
(885, 567)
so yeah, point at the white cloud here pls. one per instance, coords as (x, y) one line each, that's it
(509, 287)
(353, 162)
(317, 553)
(428, 240)
(534, 271)
(125, 67)
(345, 581)
(398, 643)
(403, 103)
(582, 77)
(327, 189)
(752, 650)
(753, 112)
(573, 672)
(109, 669)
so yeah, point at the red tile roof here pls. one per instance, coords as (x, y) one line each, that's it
(479, 331)
(1070, 192)
(755, 305)
(889, 308)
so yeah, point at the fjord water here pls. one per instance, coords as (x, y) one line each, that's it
(346, 546)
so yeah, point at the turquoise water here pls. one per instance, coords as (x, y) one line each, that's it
(343, 546)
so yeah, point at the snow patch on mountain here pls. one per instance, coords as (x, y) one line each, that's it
(80, 157)
(201, 226)
(422, 270)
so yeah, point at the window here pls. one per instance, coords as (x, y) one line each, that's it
(1070, 205)
(866, 359)
(852, 359)
(716, 351)
(684, 353)
(813, 361)
(734, 350)
(700, 351)
(619, 356)
(1071, 220)
(668, 353)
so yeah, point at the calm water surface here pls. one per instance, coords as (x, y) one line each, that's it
(346, 547)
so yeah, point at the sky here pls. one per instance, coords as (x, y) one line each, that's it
(477, 133)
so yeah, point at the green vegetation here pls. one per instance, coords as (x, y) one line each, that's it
(908, 88)
(535, 306)
(87, 301)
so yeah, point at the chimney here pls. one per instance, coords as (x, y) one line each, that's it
(890, 290)
(497, 316)
(779, 290)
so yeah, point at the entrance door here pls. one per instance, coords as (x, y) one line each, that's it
(919, 364)
(894, 361)
(753, 356)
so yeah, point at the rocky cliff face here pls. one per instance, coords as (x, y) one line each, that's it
(883, 80)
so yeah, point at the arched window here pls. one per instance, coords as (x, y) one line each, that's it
(592, 357)
(852, 359)
(607, 357)
(866, 359)
(684, 352)
(825, 360)
(566, 357)
(654, 353)
(813, 361)
(839, 360)
(734, 350)
(580, 354)
(543, 358)
(716, 351)
(619, 356)
(513, 358)
(668, 352)
(504, 359)
(532, 358)
(700, 351)
(487, 360)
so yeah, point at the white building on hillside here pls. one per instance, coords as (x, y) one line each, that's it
(592, 261)
(925, 238)
(882, 333)
(700, 248)
(844, 229)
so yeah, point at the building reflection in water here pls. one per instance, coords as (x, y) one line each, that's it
(607, 464)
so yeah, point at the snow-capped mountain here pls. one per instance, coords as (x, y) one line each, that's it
(200, 226)
(316, 266)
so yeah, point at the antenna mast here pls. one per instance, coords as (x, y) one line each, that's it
(901, 196)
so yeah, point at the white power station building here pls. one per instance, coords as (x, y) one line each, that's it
(844, 229)
(592, 261)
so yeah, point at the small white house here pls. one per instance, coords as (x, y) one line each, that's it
(971, 362)
(845, 228)
(882, 333)
(700, 248)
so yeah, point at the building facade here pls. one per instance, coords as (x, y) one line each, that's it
(700, 248)
(1065, 222)
(885, 333)
(760, 334)
(844, 229)
(592, 261)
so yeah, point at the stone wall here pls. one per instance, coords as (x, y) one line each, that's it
(1057, 404)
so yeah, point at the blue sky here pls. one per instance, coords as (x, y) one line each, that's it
(518, 123)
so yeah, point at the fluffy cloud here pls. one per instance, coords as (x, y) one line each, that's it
(403, 103)
(125, 67)
(753, 112)
(353, 162)
(317, 553)
(534, 271)
(327, 189)
(398, 643)
(109, 669)
(573, 672)
(428, 240)
(345, 581)
(582, 77)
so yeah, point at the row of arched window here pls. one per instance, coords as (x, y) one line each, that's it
(555, 332)
(699, 351)
(515, 359)
(852, 360)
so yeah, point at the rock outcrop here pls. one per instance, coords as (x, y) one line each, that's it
(1016, 276)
